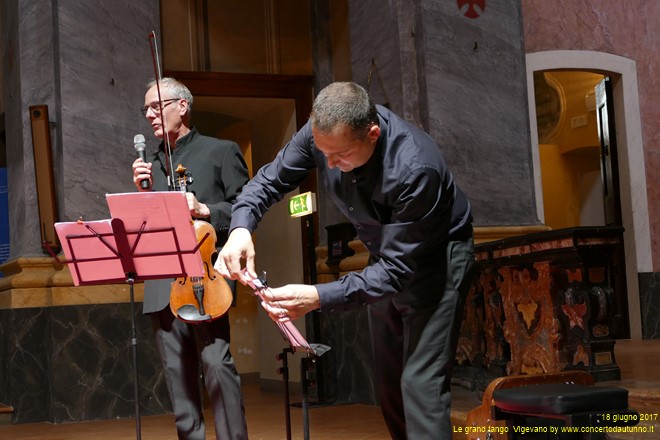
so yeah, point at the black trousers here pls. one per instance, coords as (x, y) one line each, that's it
(183, 349)
(414, 335)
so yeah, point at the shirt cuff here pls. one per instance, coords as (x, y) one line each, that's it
(332, 297)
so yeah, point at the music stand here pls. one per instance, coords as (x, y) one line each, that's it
(297, 342)
(150, 236)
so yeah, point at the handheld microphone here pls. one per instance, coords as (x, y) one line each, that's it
(140, 146)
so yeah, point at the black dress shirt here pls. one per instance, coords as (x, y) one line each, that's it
(404, 204)
(218, 173)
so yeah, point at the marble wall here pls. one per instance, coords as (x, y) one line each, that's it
(477, 100)
(463, 80)
(74, 363)
(649, 287)
(89, 63)
(28, 75)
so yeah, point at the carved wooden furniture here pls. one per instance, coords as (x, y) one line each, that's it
(543, 303)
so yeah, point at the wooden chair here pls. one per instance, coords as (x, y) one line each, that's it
(565, 405)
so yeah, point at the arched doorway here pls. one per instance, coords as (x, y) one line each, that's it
(632, 187)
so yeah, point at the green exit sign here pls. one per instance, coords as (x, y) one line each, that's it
(302, 204)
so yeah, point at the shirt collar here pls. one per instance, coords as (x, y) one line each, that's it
(181, 143)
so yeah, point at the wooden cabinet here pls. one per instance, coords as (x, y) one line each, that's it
(543, 303)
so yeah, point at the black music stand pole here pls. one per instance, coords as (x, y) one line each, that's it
(306, 366)
(304, 372)
(284, 371)
(136, 389)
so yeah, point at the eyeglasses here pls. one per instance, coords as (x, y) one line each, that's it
(155, 108)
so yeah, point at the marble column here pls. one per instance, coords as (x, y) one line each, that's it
(89, 63)
(64, 351)
(458, 72)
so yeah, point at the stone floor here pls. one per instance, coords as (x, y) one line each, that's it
(640, 374)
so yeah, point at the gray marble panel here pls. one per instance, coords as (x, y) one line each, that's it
(323, 75)
(347, 367)
(384, 60)
(355, 382)
(413, 62)
(28, 72)
(89, 63)
(65, 364)
(321, 43)
(649, 289)
(25, 363)
(105, 63)
(463, 80)
(375, 58)
(475, 75)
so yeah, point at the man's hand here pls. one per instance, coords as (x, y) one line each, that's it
(141, 171)
(197, 209)
(239, 247)
(291, 301)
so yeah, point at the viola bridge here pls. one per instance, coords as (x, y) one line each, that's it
(201, 299)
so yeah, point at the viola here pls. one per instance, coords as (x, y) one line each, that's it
(205, 298)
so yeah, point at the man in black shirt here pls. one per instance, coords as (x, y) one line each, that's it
(389, 179)
(219, 172)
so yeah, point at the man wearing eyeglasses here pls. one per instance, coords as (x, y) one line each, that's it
(218, 173)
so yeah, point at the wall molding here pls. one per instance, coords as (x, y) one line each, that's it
(37, 282)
